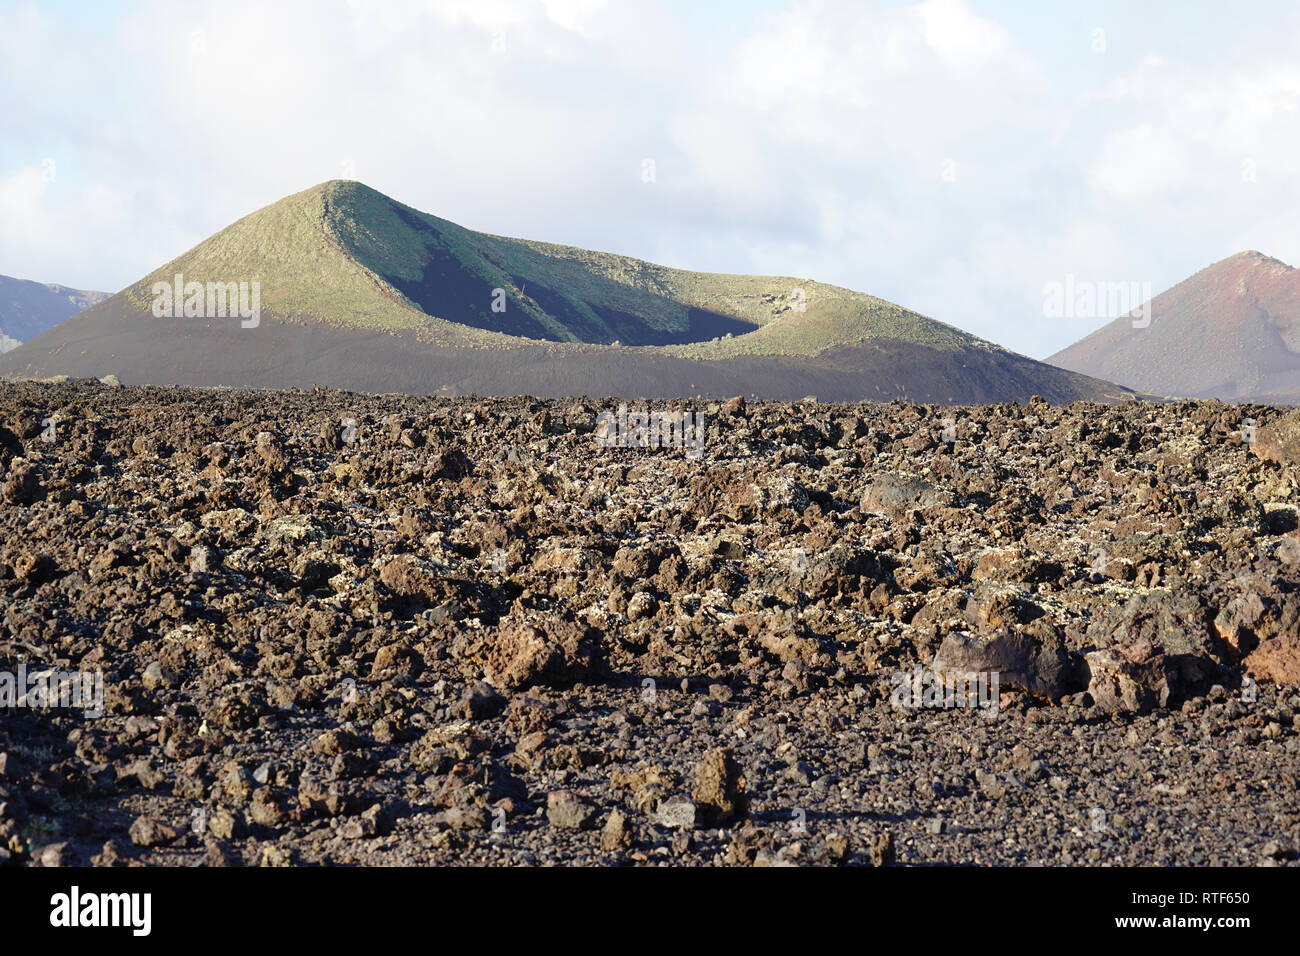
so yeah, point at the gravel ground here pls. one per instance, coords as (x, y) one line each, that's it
(345, 629)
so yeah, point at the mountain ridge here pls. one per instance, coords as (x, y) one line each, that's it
(343, 267)
(28, 307)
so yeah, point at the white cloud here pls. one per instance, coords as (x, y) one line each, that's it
(1136, 162)
(39, 215)
(814, 142)
(963, 38)
(22, 212)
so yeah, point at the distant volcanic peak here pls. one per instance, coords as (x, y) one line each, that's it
(28, 308)
(1230, 331)
(1244, 256)
(1257, 256)
(1263, 280)
(1248, 267)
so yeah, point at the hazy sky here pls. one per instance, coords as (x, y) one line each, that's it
(953, 156)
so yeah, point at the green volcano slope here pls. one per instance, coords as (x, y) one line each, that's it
(359, 291)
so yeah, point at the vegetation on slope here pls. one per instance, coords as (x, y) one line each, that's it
(345, 255)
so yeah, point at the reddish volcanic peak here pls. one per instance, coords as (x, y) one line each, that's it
(1231, 331)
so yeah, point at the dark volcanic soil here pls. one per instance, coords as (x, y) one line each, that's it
(336, 628)
(114, 339)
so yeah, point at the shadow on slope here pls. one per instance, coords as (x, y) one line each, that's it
(129, 343)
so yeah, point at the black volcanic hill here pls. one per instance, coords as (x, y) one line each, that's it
(361, 292)
(1232, 332)
(29, 308)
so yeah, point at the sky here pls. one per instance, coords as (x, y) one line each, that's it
(958, 157)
